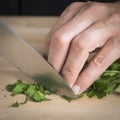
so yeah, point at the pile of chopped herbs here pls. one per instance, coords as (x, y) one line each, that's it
(31, 91)
(106, 84)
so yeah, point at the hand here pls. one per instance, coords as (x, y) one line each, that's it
(81, 29)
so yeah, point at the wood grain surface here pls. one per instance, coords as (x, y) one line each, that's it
(33, 30)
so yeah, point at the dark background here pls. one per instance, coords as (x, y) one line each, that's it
(36, 7)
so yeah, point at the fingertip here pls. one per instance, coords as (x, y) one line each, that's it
(84, 80)
(76, 89)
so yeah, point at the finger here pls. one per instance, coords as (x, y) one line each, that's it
(68, 14)
(82, 44)
(108, 54)
(62, 38)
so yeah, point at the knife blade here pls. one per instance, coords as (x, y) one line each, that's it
(25, 58)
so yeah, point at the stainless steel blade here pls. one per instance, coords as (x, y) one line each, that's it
(20, 54)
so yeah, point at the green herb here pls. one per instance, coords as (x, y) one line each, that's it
(38, 96)
(16, 104)
(32, 91)
(80, 95)
(17, 88)
(106, 84)
(67, 98)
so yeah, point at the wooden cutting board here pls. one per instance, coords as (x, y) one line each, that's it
(34, 30)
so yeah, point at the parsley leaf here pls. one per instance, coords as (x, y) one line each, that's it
(16, 104)
(31, 91)
(38, 96)
(67, 98)
(107, 83)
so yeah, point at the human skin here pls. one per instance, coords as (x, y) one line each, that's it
(81, 28)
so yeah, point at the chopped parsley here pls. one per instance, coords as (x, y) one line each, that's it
(67, 98)
(31, 91)
(106, 84)
(16, 104)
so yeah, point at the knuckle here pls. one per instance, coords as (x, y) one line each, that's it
(68, 71)
(111, 21)
(73, 5)
(99, 61)
(93, 6)
(87, 77)
(88, 8)
(115, 43)
(79, 44)
(100, 6)
(115, 16)
(58, 39)
(101, 23)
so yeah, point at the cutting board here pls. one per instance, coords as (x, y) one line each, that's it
(34, 30)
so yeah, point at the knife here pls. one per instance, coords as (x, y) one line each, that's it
(25, 58)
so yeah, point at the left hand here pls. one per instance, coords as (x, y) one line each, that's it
(81, 29)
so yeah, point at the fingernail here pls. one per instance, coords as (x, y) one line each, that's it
(76, 89)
